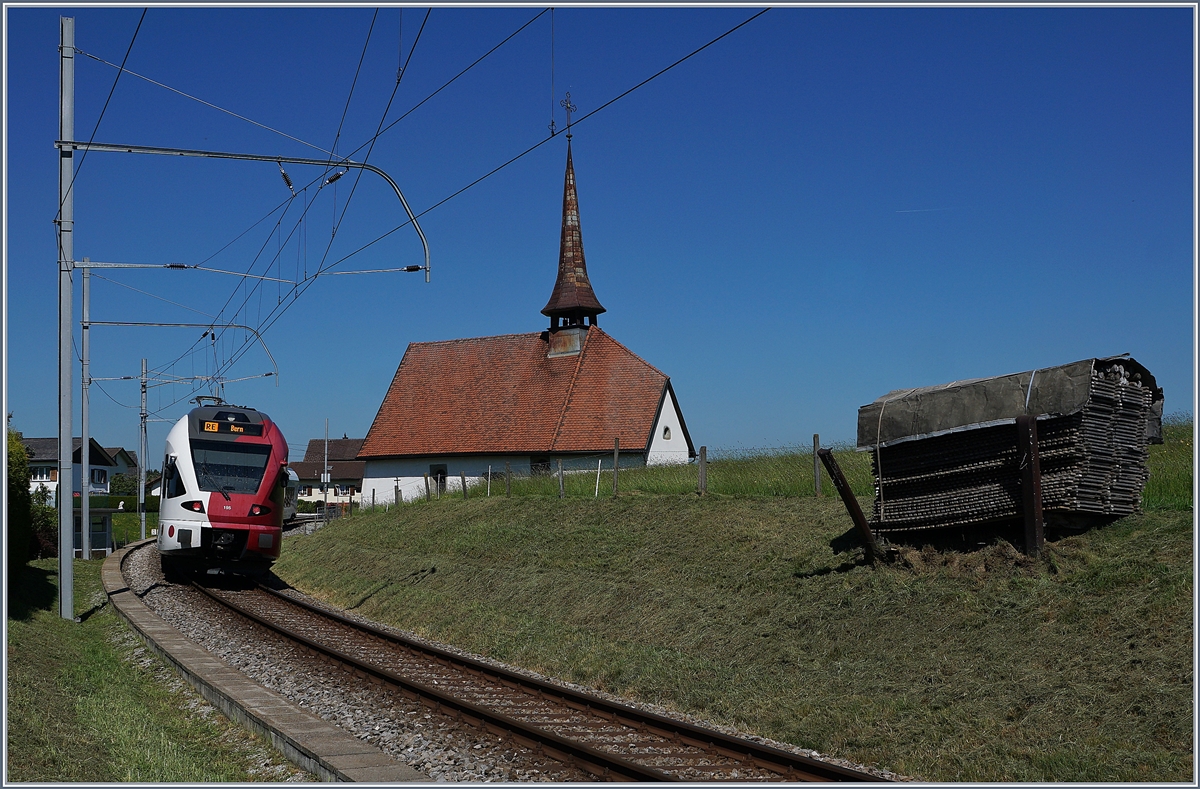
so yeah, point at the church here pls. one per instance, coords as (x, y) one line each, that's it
(464, 407)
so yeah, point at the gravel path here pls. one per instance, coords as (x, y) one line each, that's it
(426, 741)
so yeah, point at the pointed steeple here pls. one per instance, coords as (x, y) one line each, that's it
(572, 299)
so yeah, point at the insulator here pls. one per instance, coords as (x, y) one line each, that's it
(286, 180)
(335, 176)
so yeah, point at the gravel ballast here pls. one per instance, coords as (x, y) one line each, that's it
(429, 742)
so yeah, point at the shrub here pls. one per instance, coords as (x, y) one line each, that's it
(45, 524)
(123, 485)
(20, 525)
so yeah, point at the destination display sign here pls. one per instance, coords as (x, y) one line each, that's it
(228, 428)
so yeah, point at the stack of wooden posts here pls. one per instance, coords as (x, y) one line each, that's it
(1093, 457)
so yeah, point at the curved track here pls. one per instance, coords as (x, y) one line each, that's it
(607, 740)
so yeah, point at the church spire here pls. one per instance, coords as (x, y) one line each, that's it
(572, 299)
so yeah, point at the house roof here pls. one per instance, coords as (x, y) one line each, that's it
(45, 450)
(340, 470)
(502, 395)
(339, 449)
(572, 295)
(130, 457)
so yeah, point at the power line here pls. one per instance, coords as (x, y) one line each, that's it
(450, 81)
(353, 83)
(121, 69)
(151, 295)
(277, 313)
(273, 317)
(378, 131)
(537, 145)
(293, 293)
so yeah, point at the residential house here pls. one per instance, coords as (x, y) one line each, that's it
(43, 465)
(127, 462)
(345, 471)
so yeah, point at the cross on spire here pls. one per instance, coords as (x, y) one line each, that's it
(569, 107)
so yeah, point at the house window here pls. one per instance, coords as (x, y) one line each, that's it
(539, 465)
(40, 474)
(99, 476)
(667, 433)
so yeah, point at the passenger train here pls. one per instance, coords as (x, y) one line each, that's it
(224, 492)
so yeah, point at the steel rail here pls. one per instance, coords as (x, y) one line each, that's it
(789, 765)
(592, 760)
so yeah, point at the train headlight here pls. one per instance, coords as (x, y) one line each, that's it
(259, 509)
(194, 506)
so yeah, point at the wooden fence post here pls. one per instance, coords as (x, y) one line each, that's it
(462, 475)
(560, 479)
(817, 463)
(616, 462)
(428, 492)
(873, 549)
(372, 499)
(507, 478)
(702, 483)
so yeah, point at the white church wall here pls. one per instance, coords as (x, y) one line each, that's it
(669, 444)
(382, 476)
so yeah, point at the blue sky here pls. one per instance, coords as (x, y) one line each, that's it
(828, 204)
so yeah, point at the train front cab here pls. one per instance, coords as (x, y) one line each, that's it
(224, 483)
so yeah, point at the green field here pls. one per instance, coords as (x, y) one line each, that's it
(755, 608)
(87, 703)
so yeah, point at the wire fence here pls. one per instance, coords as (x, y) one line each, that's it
(736, 471)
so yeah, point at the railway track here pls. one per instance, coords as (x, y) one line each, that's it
(607, 740)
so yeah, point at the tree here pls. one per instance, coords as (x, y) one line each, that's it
(123, 485)
(20, 523)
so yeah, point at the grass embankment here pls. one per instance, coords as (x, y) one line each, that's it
(757, 611)
(87, 703)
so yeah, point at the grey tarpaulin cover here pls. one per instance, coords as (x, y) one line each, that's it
(906, 414)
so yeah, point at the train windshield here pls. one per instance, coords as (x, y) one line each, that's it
(229, 467)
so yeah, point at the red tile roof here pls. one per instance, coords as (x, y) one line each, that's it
(502, 395)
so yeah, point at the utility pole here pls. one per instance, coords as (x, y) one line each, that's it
(66, 254)
(325, 475)
(142, 457)
(85, 453)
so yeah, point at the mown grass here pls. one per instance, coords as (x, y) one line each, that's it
(758, 611)
(86, 703)
(127, 527)
(1171, 482)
